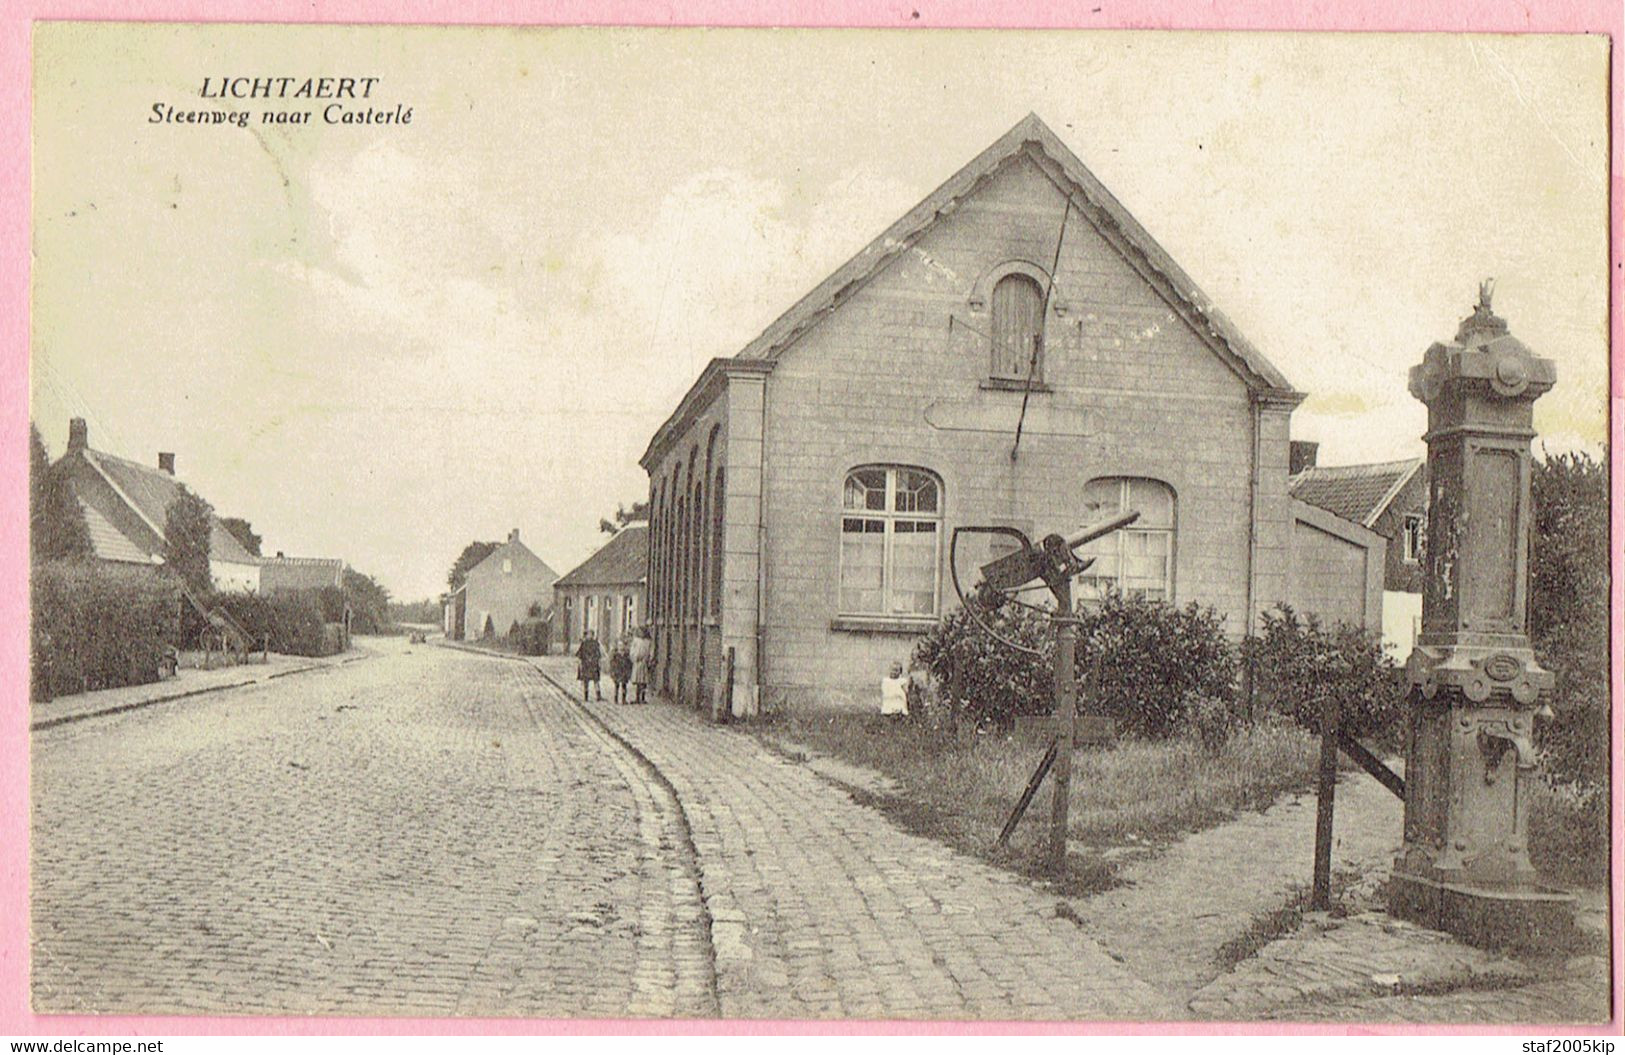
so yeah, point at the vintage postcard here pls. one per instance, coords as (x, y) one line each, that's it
(614, 523)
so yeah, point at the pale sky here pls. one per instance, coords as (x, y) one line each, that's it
(382, 342)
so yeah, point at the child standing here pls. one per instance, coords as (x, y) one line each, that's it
(620, 669)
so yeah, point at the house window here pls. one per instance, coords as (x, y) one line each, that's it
(1414, 531)
(629, 614)
(588, 614)
(1137, 561)
(507, 566)
(1018, 326)
(891, 537)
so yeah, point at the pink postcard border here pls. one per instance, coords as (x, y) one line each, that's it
(1576, 16)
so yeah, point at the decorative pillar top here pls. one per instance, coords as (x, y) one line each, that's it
(1485, 357)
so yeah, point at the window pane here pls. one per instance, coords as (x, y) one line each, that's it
(866, 489)
(863, 553)
(916, 492)
(914, 569)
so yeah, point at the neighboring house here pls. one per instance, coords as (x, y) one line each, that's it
(126, 506)
(803, 492)
(499, 592)
(606, 592)
(1391, 499)
(284, 574)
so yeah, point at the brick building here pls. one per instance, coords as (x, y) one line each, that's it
(499, 591)
(1390, 499)
(803, 491)
(606, 592)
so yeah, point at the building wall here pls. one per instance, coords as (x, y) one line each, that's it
(609, 615)
(233, 577)
(505, 596)
(1401, 575)
(1336, 569)
(1134, 392)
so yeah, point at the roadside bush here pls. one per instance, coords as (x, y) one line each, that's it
(1156, 660)
(95, 626)
(531, 637)
(292, 621)
(1298, 663)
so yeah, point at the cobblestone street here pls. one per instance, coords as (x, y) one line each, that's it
(422, 833)
(438, 832)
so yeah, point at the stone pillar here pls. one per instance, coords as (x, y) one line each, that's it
(742, 536)
(1475, 686)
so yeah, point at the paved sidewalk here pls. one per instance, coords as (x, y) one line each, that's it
(188, 682)
(821, 908)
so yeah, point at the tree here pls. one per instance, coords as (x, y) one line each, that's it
(472, 554)
(623, 517)
(56, 521)
(187, 525)
(243, 532)
(369, 600)
(1568, 611)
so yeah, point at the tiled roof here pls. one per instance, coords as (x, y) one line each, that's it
(151, 490)
(108, 543)
(300, 573)
(622, 561)
(1354, 492)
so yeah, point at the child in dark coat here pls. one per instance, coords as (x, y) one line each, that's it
(620, 669)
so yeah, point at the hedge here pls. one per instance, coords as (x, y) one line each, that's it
(99, 626)
(1157, 663)
(292, 621)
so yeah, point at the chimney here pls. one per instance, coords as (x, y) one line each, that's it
(1301, 455)
(513, 536)
(78, 434)
(283, 556)
(166, 461)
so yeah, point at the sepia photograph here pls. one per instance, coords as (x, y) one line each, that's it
(819, 525)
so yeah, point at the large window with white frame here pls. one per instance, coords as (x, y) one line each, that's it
(1415, 530)
(891, 542)
(1137, 561)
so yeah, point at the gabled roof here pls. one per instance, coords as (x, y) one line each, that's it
(1360, 493)
(510, 549)
(622, 561)
(149, 491)
(1033, 138)
(108, 543)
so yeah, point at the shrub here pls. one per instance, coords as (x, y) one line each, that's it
(982, 680)
(293, 622)
(1298, 664)
(532, 637)
(97, 626)
(1156, 659)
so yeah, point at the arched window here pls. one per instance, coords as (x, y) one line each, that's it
(891, 541)
(1018, 323)
(1137, 561)
(718, 491)
(697, 547)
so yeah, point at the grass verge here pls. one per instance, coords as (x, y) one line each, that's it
(960, 790)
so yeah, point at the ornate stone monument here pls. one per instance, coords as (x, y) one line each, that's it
(1476, 687)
